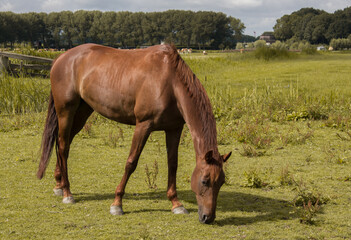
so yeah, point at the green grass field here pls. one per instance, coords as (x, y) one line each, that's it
(287, 122)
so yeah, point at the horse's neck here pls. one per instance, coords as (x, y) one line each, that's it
(200, 121)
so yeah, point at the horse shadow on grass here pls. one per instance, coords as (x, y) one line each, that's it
(256, 208)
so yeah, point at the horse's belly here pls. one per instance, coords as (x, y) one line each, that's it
(119, 116)
(114, 110)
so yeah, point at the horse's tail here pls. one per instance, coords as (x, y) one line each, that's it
(50, 136)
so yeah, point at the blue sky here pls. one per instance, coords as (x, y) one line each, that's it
(257, 15)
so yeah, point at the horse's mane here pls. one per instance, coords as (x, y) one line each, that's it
(197, 92)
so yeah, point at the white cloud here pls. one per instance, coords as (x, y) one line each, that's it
(222, 3)
(243, 3)
(55, 5)
(6, 6)
(331, 6)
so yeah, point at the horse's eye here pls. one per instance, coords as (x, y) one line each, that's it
(205, 182)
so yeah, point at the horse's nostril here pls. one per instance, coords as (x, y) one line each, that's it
(206, 219)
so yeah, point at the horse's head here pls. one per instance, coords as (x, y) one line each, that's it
(207, 179)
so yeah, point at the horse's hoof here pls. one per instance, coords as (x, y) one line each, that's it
(180, 210)
(68, 200)
(58, 191)
(116, 210)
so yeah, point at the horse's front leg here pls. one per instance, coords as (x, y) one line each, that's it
(172, 142)
(141, 133)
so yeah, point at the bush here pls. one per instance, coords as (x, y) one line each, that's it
(340, 43)
(250, 45)
(307, 48)
(239, 46)
(268, 53)
(294, 46)
(260, 43)
(279, 45)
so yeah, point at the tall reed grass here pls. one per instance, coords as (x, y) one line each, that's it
(23, 95)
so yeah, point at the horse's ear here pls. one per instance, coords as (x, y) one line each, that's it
(226, 156)
(208, 157)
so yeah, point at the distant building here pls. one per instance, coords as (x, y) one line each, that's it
(268, 37)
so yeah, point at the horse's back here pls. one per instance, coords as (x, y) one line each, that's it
(124, 85)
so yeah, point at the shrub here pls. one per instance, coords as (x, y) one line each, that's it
(239, 46)
(294, 46)
(250, 45)
(260, 43)
(268, 53)
(341, 43)
(279, 45)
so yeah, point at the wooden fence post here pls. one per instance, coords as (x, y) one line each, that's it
(4, 64)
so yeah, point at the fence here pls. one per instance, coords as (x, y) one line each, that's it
(22, 66)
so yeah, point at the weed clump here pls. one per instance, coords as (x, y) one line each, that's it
(255, 132)
(307, 203)
(296, 136)
(304, 195)
(286, 178)
(309, 212)
(249, 151)
(114, 138)
(151, 175)
(253, 180)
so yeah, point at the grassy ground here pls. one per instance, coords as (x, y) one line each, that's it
(286, 121)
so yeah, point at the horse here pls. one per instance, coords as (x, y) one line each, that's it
(153, 89)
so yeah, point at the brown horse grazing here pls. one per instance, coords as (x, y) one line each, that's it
(152, 89)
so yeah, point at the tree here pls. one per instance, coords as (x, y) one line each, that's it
(35, 27)
(13, 28)
(152, 25)
(82, 23)
(316, 29)
(313, 25)
(283, 28)
(67, 28)
(54, 27)
(103, 28)
(203, 29)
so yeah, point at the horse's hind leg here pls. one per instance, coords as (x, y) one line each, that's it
(80, 117)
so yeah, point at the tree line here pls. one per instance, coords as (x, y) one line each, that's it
(313, 25)
(203, 29)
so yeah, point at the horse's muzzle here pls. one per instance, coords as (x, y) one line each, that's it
(205, 218)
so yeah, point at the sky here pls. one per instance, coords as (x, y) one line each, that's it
(258, 16)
